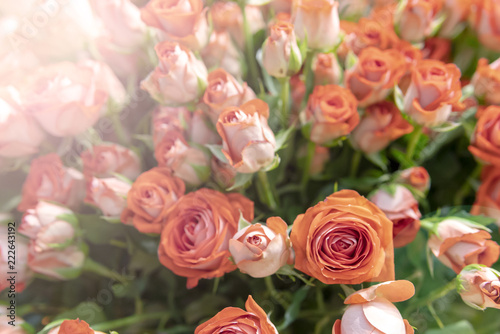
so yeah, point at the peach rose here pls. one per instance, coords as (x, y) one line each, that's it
(344, 239)
(181, 21)
(369, 32)
(326, 69)
(179, 78)
(20, 134)
(487, 200)
(486, 81)
(332, 113)
(282, 6)
(318, 20)
(381, 124)
(108, 194)
(484, 18)
(106, 159)
(402, 209)
(221, 52)
(297, 93)
(371, 310)
(417, 177)
(281, 55)
(437, 48)
(21, 249)
(415, 22)
(259, 250)
(374, 75)
(479, 286)
(235, 320)
(459, 243)
(456, 12)
(49, 180)
(485, 144)
(195, 240)
(248, 141)
(74, 327)
(434, 92)
(224, 91)
(151, 198)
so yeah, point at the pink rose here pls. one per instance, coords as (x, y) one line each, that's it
(21, 249)
(416, 19)
(326, 69)
(281, 55)
(179, 78)
(484, 18)
(479, 286)
(106, 159)
(108, 194)
(456, 12)
(221, 52)
(259, 250)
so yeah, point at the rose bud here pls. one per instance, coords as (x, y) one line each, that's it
(456, 12)
(49, 180)
(434, 92)
(316, 21)
(222, 173)
(281, 55)
(370, 32)
(487, 200)
(381, 124)
(220, 52)
(23, 274)
(107, 159)
(332, 112)
(184, 161)
(479, 286)
(483, 18)
(437, 48)
(486, 81)
(417, 177)
(6, 328)
(371, 310)
(248, 141)
(20, 134)
(74, 327)
(151, 198)
(259, 250)
(402, 209)
(195, 239)
(374, 75)
(412, 56)
(326, 69)
(458, 243)
(107, 194)
(344, 239)
(67, 99)
(415, 22)
(224, 91)
(235, 320)
(484, 145)
(180, 21)
(179, 78)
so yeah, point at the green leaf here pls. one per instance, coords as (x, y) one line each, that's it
(283, 137)
(350, 60)
(401, 158)
(399, 98)
(87, 311)
(461, 327)
(295, 63)
(70, 218)
(240, 180)
(243, 223)
(467, 91)
(446, 127)
(273, 165)
(217, 152)
(293, 311)
(430, 261)
(379, 159)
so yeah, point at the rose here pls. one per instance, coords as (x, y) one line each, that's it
(248, 141)
(487, 200)
(353, 9)
(281, 6)
(108, 194)
(181, 21)
(6, 328)
(437, 48)
(456, 12)
(223, 173)
(374, 75)
(297, 93)
(479, 286)
(417, 177)
(331, 112)
(415, 22)
(73, 327)
(151, 198)
(483, 18)
(433, 93)
(486, 81)
(371, 310)
(281, 55)
(369, 32)
(344, 239)
(484, 143)
(195, 239)
(107, 159)
(224, 91)
(235, 320)
(381, 124)
(221, 52)
(458, 243)
(318, 20)
(19, 132)
(23, 274)
(412, 56)
(259, 250)
(49, 180)
(326, 69)
(402, 209)
(184, 161)
(179, 78)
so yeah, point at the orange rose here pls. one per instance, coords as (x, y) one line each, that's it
(484, 18)
(417, 177)
(485, 143)
(345, 239)
(74, 327)
(195, 240)
(374, 75)
(371, 310)
(235, 320)
(106, 159)
(49, 180)
(221, 52)
(326, 69)
(486, 81)
(459, 243)
(437, 48)
(412, 56)
(151, 198)
(487, 196)
(433, 93)
(415, 22)
(332, 112)
(370, 32)
(381, 124)
(479, 286)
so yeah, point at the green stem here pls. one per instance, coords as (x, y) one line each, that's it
(253, 73)
(273, 292)
(308, 74)
(435, 315)
(311, 148)
(356, 159)
(433, 296)
(94, 267)
(267, 192)
(285, 100)
(466, 187)
(412, 144)
(128, 321)
(118, 127)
